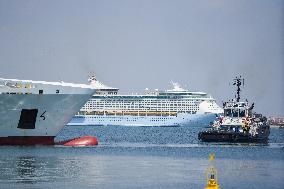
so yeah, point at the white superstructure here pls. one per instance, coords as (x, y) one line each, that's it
(159, 108)
(33, 112)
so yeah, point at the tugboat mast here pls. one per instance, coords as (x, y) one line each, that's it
(239, 82)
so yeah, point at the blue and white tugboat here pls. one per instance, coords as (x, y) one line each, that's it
(239, 123)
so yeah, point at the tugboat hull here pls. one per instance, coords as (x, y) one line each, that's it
(217, 136)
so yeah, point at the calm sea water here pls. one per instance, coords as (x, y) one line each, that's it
(143, 157)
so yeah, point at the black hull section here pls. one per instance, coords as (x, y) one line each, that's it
(217, 136)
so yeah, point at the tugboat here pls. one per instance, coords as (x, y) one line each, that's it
(238, 124)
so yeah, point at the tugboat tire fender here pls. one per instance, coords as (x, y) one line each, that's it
(234, 138)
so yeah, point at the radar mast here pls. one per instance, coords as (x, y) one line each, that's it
(239, 81)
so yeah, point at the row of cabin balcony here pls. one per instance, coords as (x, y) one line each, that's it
(141, 102)
(39, 92)
(137, 113)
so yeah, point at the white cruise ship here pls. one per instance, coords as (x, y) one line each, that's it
(159, 108)
(34, 112)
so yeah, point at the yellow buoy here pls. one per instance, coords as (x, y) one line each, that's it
(211, 175)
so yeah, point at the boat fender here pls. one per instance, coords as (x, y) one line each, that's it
(221, 119)
(234, 137)
(199, 136)
(245, 124)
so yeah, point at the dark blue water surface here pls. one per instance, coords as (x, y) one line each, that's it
(143, 157)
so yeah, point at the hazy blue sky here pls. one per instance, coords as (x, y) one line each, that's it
(134, 44)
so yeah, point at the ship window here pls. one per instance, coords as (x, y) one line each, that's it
(235, 113)
(57, 91)
(227, 112)
(40, 92)
(250, 113)
(242, 113)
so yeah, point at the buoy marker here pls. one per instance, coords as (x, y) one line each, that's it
(211, 175)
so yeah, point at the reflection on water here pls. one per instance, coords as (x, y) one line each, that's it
(43, 172)
(26, 168)
(134, 171)
(150, 162)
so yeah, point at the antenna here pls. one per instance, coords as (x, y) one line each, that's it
(239, 81)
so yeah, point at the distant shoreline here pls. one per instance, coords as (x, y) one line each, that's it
(277, 126)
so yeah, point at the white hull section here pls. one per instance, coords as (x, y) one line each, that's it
(51, 111)
(162, 121)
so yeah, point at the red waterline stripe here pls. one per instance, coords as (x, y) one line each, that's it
(27, 140)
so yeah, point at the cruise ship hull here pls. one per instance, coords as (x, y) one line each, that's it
(182, 119)
(27, 119)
